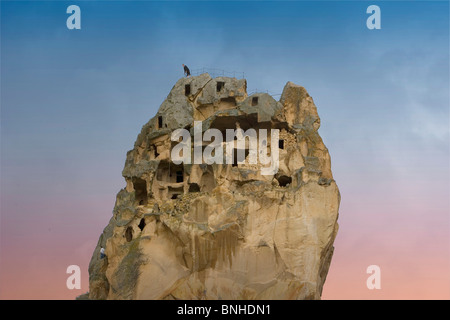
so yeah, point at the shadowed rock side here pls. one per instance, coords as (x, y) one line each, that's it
(222, 231)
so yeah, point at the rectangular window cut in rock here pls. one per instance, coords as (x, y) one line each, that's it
(160, 122)
(179, 176)
(281, 144)
(254, 101)
(220, 85)
(187, 89)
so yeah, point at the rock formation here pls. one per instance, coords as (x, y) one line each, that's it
(222, 231)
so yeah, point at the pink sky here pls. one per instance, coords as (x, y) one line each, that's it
(404, 234)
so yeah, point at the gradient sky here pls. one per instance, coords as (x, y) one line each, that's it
(73, 102)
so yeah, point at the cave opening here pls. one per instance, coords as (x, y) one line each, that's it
(283, 181)
(194, 187)
(254, 101)
(187, 89)
(140, 190)
(142, 224)
(220, 85)
(129, 234)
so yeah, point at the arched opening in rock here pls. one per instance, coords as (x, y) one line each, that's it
(283, 181)
(142, 224)
(129, 234)
(194, 187)
(254, 101)
(140, 190)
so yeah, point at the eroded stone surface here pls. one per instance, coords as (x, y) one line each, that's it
(221, 231)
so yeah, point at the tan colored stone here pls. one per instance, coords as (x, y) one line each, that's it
(221, 231)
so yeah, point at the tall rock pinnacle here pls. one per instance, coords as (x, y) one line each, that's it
(222, 230)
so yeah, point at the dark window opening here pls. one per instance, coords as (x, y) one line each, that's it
(283, 181)
(187, 89)
(220, 86)
(155, 151)
(254, 101)
(281, 144)
(174, 196)
(160, 122)
(142, 224)
(179, 176)
(140, 191)
(193, 187)
(129, 234)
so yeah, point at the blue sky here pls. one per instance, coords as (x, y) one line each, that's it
(73, 101)
(86, 93)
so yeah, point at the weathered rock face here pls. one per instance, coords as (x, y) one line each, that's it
(222, 231)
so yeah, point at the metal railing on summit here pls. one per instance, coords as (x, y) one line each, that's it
(214, 73)
(253, 91)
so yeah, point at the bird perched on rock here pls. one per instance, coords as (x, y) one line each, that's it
(187, 72)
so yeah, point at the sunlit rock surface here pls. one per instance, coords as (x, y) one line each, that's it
(222, 231)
